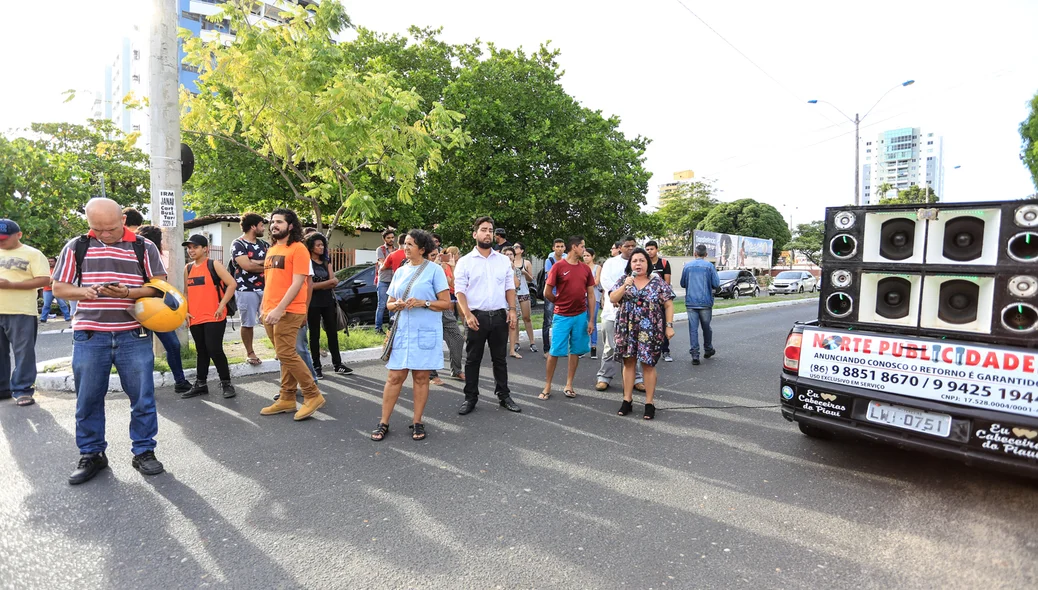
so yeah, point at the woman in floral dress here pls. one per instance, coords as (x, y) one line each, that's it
(644, 314)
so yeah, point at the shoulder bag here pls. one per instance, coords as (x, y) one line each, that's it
(387, 346)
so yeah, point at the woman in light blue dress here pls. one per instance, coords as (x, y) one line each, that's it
(417, 329)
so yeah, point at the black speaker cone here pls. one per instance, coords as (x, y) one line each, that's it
(963, 238)
(1024, 247)
(957, 303)
(843, 246)
(1020, 317)
(893, 297)
(839, 305)
(897, 239)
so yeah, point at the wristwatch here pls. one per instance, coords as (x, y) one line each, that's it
(670, 324)
(427, 304)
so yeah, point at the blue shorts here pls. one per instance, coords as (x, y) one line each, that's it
(569, 335)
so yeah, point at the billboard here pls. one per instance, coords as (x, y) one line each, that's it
(730, 251)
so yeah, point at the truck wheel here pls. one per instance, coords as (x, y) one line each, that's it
(814, 431)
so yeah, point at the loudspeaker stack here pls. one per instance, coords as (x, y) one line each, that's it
(956, 270)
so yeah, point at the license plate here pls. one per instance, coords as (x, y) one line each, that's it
(909, 418)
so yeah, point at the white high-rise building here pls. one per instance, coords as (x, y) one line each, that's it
(901, 158)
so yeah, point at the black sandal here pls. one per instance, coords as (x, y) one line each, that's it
(380, 433)
(625, 408)
(650, 411)
(419, 431)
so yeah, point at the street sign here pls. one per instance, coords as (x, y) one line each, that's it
(167, 209)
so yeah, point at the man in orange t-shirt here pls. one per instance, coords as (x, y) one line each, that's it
(283, 312)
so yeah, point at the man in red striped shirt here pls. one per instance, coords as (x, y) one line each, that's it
(104, 333)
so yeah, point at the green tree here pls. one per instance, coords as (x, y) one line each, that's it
(46, 180)
(807, 239)
(1029, 135)
(747, 217)
(290, 96)
(910, 195)
(541, 164)
(681, 212)
(883, 190)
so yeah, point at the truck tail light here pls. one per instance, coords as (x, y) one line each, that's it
(791, 354)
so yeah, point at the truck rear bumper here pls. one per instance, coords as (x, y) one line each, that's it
(973, 439)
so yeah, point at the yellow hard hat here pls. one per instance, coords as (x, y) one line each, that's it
(164, 313)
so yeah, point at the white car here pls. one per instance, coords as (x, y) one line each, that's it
(793, 281)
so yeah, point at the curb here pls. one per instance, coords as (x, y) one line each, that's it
(64, 381)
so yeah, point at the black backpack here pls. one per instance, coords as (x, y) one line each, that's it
(83, 243)
(540, 283)
(232, 305)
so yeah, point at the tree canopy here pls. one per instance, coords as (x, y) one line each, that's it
(807, 239)
(47, 178)
(680, 214)
(289, 95)
(747, 217)
(1029, 135)
(910, 195)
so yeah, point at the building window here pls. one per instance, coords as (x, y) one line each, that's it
(929, 151)
(929, 134)
(137, 54)
(929, 143)
(929, 158)
(868, 143)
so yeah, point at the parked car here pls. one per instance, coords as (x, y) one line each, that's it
(793, 281)
(736, 283)
(357, 293)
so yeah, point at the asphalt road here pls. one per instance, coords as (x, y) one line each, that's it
(719, 491)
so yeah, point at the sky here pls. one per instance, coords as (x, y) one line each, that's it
(734, 110)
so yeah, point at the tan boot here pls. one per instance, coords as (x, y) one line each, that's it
(284, 404)
(309, 407)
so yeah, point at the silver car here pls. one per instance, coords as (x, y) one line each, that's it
(793, 281)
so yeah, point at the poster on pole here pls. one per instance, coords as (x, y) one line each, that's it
(730, 251)
(167, 212)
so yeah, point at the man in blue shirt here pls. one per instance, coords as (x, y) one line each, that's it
(699, 279)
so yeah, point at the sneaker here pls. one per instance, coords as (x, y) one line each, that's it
(533, 347)
(667, 358)
(199, 388)
(343, 370)
(320, 375)
(709, 354)
(594, 352)
(695, 361)
(43, 321)
(228, 389)
(380, 331)
(581, 356)
(182, 386)
(515, 349)
(147, 464)
(89, 465)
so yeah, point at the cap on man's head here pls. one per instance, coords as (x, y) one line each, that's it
(197, 240)
(499, 231)
(8, 228)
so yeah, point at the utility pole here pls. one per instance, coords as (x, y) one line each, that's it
(167, 205)
(857, 164)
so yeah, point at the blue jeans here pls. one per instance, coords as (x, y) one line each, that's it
(383, 299)
(695, 318)
(93, 354)
(18, 336)
(172, 344)
(48, 299)
(301, 339)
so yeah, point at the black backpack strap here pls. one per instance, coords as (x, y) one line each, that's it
(139, 250)
(80, 250)
(216, 278)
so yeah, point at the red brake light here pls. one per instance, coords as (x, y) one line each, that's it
(791, 354)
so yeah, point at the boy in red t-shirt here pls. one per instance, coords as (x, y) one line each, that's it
(570, 285)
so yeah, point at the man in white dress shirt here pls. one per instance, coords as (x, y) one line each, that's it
(484, 283)
(612, 271)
